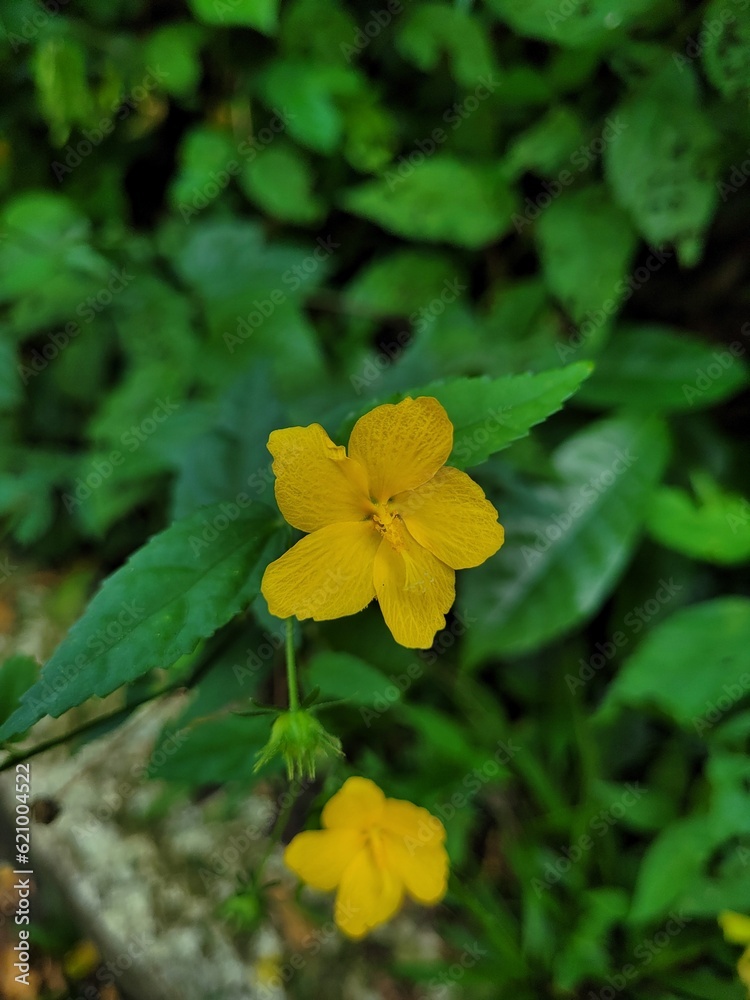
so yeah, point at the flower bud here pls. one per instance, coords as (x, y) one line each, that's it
(300, 739)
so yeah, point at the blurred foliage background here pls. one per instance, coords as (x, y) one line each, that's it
(225, 216)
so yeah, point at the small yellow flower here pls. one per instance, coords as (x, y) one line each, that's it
(736, 927)
(389, 520)
(374, 850)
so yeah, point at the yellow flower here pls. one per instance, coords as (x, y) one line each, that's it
(389, 520)
(736, 929)
(373, 850)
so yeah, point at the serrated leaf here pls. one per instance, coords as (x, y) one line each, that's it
(489, 414)
(693, 667)
(17, 675)
(437, 200)
(183, 585)
(586, 247)
(657, 368)
(565, 545)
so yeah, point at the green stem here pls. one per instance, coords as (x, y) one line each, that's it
(291, 667)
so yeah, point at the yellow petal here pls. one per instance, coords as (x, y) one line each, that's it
(736, 927)
(327, 574)
(404, 819)
(368, 895)
(358, 804)
(316, 484)
(319, 857)
(423, 870)
(413, 587)
(450, 516)
(401, 445)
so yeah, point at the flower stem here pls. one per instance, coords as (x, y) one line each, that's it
(291, 667)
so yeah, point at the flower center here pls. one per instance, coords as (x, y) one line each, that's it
(388, 522)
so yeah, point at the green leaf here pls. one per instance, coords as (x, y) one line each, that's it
(341, 675)
(566, 546)
(670, 669)
(17, 675)
(595, 23)
(656, 368)
(437, 200)
(259, 14)
(307, 95)
(62, 85)
(45, 235)
(489, 414)
(175, 49)
(671, 862)
(548, 145)
(726, 49)
(662, 164)
(729, 813)
(586, 248)
(204, 156)
(318, 29)
(182, 586)
(280, 181)
(431, 29)
(231, 457)
(716, 528)
(401, 283)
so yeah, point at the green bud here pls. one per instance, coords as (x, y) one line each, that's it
(300, 739)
